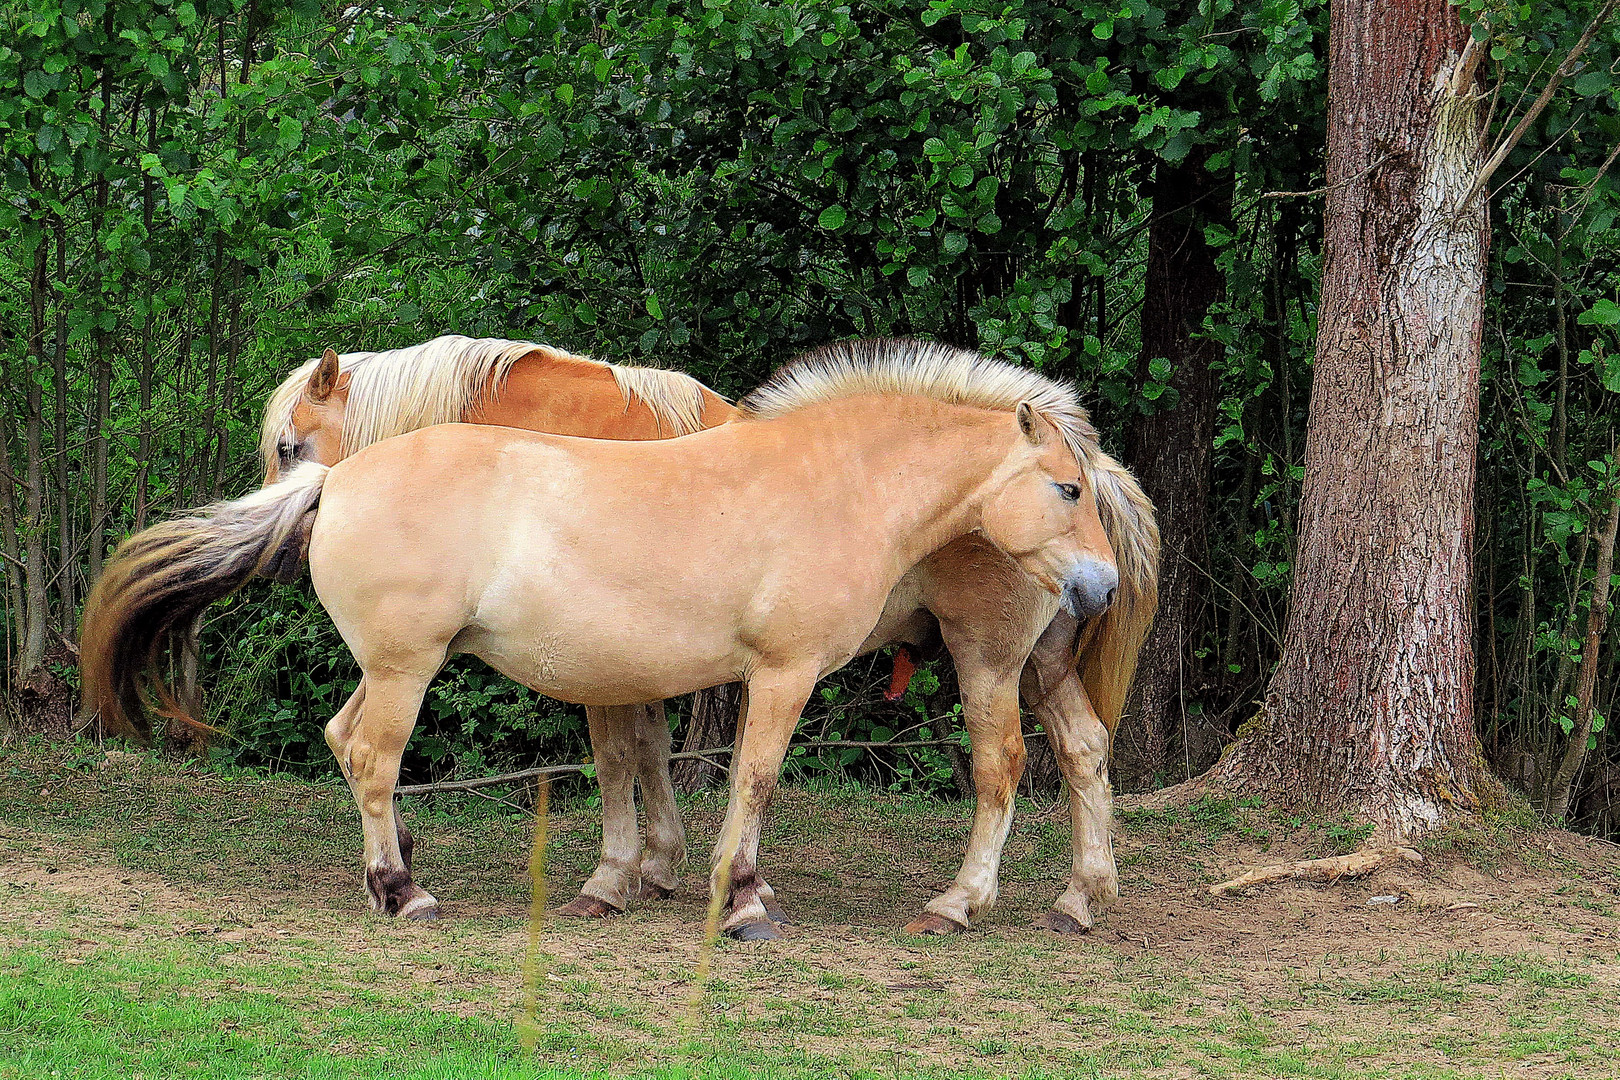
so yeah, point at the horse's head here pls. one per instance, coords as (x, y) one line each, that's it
(1041, 511)
(304, 420)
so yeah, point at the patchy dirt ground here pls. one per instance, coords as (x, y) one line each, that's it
(1497, 958)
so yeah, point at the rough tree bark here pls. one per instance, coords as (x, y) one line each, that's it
(1371, 706)
(1170, 450)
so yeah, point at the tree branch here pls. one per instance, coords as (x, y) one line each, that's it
(1556, 79)
(521, 775)
(1586, 682)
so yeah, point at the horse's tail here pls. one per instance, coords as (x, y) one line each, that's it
(154, 589)
(1107, 655)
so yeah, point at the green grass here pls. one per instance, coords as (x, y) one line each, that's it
(162, 922)
(128, 1016)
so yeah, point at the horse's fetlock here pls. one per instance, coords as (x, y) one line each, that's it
(389, 888)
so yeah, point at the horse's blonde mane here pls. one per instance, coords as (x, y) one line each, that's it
(1107, 651)
(926, 369)
(1107, 657)
(438, 381)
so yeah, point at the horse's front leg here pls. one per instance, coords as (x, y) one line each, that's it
(613, 747)
(775, 701)
(1080, 742)
(990, 704)
(368, 737)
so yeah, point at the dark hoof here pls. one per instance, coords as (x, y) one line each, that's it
(648, 891)
(778, 916)
(1061, 923)
(929, 924)
(763, 930)
(588, 907)
(425, 913)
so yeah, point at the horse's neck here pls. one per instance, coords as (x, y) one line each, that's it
(563, 396)
(566, 395)
(922, 466)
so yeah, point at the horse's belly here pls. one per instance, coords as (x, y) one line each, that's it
(602, 661)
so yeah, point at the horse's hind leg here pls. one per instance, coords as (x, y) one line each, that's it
(665, 849)
(1081, 744)
(338, 730)
(990, 705)
(613, 733)
(368, 735)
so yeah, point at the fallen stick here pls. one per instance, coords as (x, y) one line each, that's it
(474, 783)
(1356, 864)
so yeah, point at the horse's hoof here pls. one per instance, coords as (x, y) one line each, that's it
(762, 930)
(778, 916)
(426, 913)
(648, 891)
(588, 907)
(1060, 922)
(930, 924)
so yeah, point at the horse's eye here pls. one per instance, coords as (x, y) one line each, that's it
(287, 451)
(1070, 492)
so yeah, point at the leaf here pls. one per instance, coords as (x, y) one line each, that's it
(289, 133)
(1603, 312)
(653, 307)
(955, 243)
(1530, 374)
(564, 94)
(1592, 83)
(832, 218)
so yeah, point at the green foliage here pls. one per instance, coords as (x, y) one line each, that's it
(200, 194)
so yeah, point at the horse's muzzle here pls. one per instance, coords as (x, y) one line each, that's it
(1089, 588)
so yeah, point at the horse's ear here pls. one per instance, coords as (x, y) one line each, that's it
(1029, 423)
(323, 380)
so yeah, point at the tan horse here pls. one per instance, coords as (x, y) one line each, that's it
(576, 566)
(992, 614)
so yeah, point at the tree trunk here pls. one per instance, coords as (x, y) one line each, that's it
(1370, 709)
(36, 602)
(65, 562)
(101, 421)
(714, 723)
(233, 350)
(1169, 450)
(15, 587)
(143, 451)
(1586, 686)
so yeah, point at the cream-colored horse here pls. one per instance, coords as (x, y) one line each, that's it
(992, 614)
(578, 568)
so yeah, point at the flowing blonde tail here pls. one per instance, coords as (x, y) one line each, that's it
(1107, 657)
(158, 583)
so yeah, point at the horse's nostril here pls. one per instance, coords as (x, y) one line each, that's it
(1108, 601)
